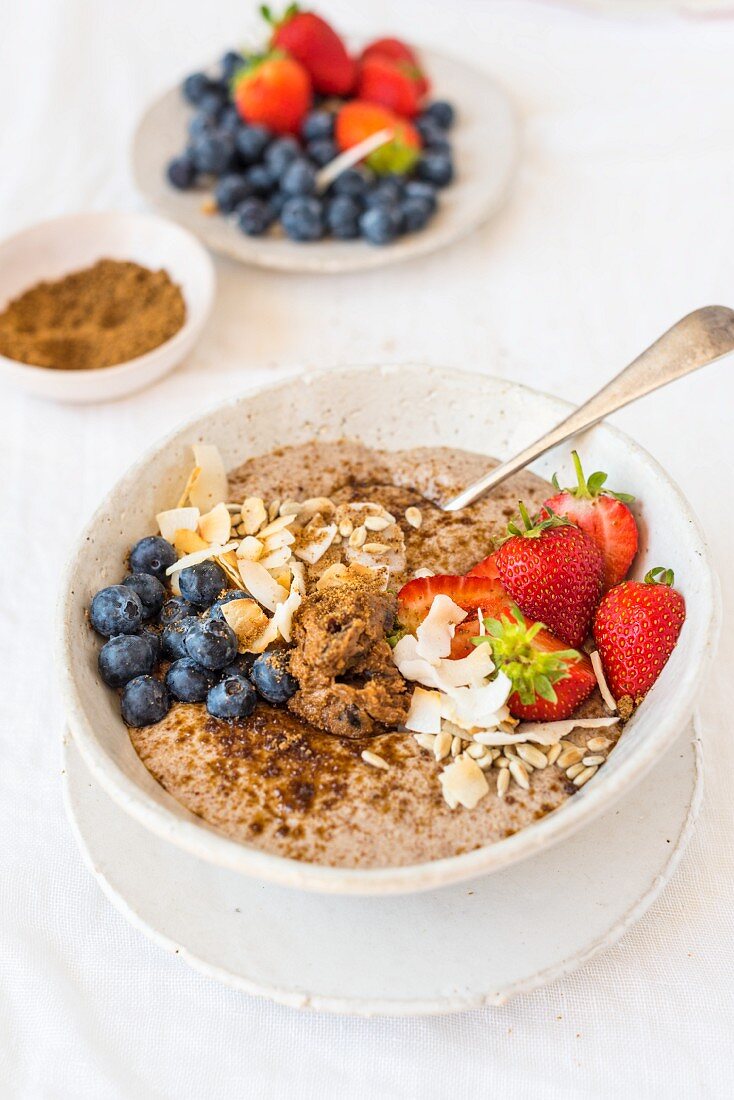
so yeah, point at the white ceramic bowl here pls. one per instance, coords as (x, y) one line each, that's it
(56, 248)
(485, 141)
(391, 406)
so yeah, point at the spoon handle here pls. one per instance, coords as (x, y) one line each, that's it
(696, 340)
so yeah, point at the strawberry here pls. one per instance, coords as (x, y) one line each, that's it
(603, 515)
(309, 39)
(392, 49)
(274, 91)
(358, 120)
(636, 627)
(486, 568)
(393, 84)
(469, 593)
(554, 572)
(549, 680)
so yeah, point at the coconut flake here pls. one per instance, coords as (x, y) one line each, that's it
(215, 526)
(424, 715)
(254, 515)
(463, 782)
(197, 556)
(210, 487)
(548, 733)
(276, 526)
(261, 585)
(473, 708)
(250, 548)
(436, 632)
(277, 559)
(186, 541)
(177, 519)
(609, 701)
(318, 541)
(247, 619)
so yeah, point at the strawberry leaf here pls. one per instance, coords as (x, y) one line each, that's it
(531, 671)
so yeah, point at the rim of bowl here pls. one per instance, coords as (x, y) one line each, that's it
(194, 319)
(203, 841)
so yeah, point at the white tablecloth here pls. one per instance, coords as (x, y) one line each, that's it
(620, 222)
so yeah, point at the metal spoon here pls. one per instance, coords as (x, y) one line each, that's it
(698, 339)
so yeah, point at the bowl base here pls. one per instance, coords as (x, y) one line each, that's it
(461, 947)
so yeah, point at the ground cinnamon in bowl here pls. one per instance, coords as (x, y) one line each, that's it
(109, 313)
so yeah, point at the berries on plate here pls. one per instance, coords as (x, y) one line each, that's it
(187, 681)
(315, 44)
(116, 610)
(211, 643)
(152, 554)
(274, 91)
(271, 677)
(397, 85)
(358, 119)
(636, 627)
(549, 680)
(441, 112)
(381, 224)
(554, 573)
(435, 167)
(201, 584)
(230, 191)
(303, 218)
(150, 591)
(181, 172)
(144, 701)
(603, 515)
(124, 657)
(233, 697)
(251, 142)
(393, 49)
(254, 217)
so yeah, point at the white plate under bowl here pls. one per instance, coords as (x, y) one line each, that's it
(404, 406)
(457, 948)
(52, 249)
(485, 142)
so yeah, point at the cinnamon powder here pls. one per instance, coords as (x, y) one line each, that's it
(96, 317)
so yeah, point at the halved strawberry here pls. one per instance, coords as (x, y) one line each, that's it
(392, 49)
(603, 515)
(487, 567)
(550, 680)
(469, 593)
(393, 84)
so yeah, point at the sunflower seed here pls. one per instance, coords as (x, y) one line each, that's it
(569, 756)
(593, 761)
(501, 762)
(455, 745)
(574, 770)
(374, 760)
(476, 751)
(584, 776)
(358, 537)
(519, 774)
(376, 523)
(345, 528)
(289, 508)
(597, 744)
(442, 745)
(273, 510)
(375, 548)
(532, 756)
(485, 762)
(425, 740)
(553, 753)
(413, 516)
(503, 782)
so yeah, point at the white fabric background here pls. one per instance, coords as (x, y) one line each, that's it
(621, 221)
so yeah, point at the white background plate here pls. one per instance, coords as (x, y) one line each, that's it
(461, 947)
(484, 140)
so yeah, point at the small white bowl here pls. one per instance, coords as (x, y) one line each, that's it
(401, 406)
(53, 249)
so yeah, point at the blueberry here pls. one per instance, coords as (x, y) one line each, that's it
(153, 639)
(233, 697)
(302, 219)
(211, 643)
(124, 657)
(251, 142)
(173, 638)
(150, 591)
(386, 193)
(353, 181)
(316, 125)
(201, 584)
(174, 609)
(230, 64)
(230, 121)
(276, 202)
(420, 189)
(254, 217)
(144, 701)
(416, 214)
(435, 168)
(212, 153)
(442, 113)
(280, 153)
(241, 666)
(233, 594)
(322, 151)
(195, 87)
(271, 677)
(201, 123)
(380, 224)
(342, 217)
(181, 172)
(433, 136)
(187, 681)
(260, 179)
(231, 191)
(116, 610)
(152, 555)
(299, 178)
